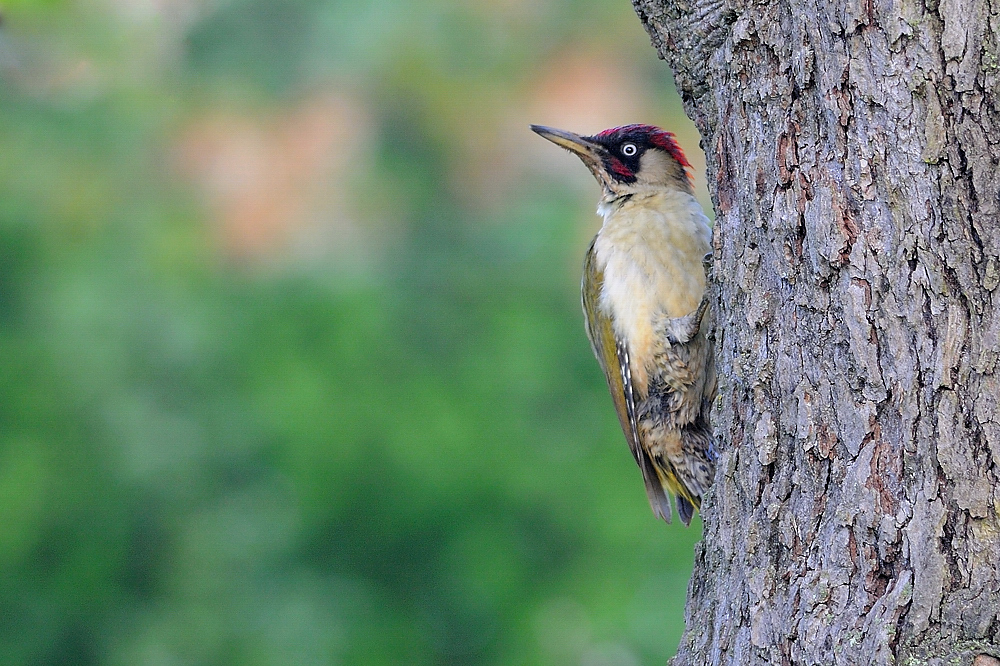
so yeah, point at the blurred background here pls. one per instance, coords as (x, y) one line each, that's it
(293, 364)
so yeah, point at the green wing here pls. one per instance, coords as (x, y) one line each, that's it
(614, 359)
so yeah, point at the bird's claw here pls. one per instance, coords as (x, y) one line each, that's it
(681, 330)
(707, 262)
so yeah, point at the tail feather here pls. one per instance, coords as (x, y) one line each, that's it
(685, 510)
(687, 475)
(658, 497)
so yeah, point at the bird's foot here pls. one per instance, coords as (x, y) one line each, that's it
(681, 330)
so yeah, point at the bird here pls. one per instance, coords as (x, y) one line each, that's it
(646, 307)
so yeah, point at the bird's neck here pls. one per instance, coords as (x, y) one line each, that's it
(665, 230)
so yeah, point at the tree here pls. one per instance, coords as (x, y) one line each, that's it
(853, 153)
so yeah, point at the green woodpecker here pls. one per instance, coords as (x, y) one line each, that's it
(644, 304)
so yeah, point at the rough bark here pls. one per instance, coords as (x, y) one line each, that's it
(853, 154)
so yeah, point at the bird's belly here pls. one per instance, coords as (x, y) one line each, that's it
(634, 301)
(650, 252)
(642, 286)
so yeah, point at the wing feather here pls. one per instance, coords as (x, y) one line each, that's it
(613, 358)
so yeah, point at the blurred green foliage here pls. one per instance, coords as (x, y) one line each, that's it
(398, 451)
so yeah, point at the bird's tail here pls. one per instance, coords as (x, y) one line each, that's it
(688, 474)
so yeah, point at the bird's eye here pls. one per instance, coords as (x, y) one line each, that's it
(629, 149)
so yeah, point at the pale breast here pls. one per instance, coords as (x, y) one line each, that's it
(651, 253)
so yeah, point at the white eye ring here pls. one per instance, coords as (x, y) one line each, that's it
(629, 149)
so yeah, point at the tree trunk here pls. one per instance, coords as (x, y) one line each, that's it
(853, 151)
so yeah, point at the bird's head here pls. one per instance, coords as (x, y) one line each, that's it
(628, 160)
